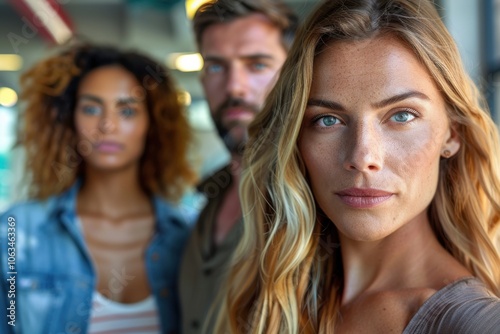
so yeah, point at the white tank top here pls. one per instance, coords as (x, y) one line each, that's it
(110, 317)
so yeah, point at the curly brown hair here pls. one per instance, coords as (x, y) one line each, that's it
(47, 129)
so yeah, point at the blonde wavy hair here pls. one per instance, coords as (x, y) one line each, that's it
(281, 279)
(47, 129)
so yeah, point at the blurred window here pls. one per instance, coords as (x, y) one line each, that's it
(492, 55)
(7, 138)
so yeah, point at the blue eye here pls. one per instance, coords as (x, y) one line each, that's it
(91, 110)
(327, 121)
(259, 66)
(403, 117)
(128, 112)
(213, 68)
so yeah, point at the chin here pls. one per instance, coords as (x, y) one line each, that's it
(365, 233)
(235, 144)
(109, 166)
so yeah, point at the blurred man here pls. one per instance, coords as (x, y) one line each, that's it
(244, 43)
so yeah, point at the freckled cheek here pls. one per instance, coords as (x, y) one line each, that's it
(319, 160)
(431, 153)
(418, 165)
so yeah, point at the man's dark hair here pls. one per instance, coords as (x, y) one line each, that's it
(224, 11)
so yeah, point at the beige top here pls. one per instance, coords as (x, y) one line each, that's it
(204, 266)
(462, 307)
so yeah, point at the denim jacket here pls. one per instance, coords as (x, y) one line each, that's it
(54, 275)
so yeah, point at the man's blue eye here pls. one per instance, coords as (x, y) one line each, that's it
(259, 66)
(214, 68)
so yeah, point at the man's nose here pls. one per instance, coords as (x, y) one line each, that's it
(237, 82)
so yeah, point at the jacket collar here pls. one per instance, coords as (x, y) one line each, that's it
(65, 206)
(167, 214)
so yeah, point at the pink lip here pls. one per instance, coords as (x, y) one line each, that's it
(362, 198)
(108, 147)
(237, 113)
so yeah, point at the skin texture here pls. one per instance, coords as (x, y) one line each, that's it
(242, 61)
(356, 134)
(116, 214)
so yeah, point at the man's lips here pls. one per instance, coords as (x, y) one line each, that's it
(363, 198)
(238, 113)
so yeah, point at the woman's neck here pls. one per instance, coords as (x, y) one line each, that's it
(113, 194)
(411, 257)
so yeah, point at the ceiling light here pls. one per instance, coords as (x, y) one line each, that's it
(10, 62)
(184, 98)
(192, 6)
(8, 97)
(51, 19)
(185, 62)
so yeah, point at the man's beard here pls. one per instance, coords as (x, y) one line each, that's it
(228, 133)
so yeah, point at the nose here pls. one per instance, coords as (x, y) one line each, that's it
(107, 124)
(237, 81)
(364, 149)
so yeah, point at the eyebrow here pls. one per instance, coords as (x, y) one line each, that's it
(126, 100)
(91, 98)
(399, 98)
(384, 103)
(325, 103)
(120, 101)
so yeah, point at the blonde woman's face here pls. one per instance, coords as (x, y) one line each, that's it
(111, 122)
(372, 137)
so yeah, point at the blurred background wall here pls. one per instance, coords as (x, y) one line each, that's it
(31, 29)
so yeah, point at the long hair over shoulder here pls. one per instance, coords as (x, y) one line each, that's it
(286, 275)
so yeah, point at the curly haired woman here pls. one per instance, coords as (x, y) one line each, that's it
(98, 244)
